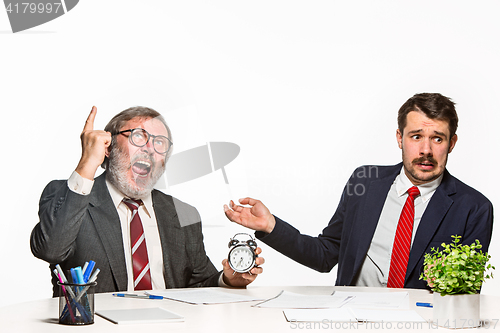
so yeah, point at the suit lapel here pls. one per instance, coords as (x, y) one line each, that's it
(107, 224)
(170, 236)
(367, 221)
(431, 220)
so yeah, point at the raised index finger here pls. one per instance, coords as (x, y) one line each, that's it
(89, 123)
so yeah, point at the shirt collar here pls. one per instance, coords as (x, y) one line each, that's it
(426, 190)
(117, 198)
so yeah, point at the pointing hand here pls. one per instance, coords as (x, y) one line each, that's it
(94, 147)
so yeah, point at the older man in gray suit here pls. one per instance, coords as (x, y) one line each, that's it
(83, 219)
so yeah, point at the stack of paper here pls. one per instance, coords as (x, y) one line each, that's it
(344, 307)
(350, 315)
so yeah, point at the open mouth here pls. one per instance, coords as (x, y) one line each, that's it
(141, 168)
(426, 165)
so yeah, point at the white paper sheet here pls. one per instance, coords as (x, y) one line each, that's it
(319, 315)
(369, 300)
(289, 300)
(203, 296)
(140, 316)
(349, 315)
(387, 315)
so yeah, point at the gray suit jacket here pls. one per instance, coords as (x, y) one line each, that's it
(75, 228)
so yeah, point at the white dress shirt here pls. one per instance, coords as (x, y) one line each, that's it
(151, 234)
(375, 268)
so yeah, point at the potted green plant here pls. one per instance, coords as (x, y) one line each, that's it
(455, 273)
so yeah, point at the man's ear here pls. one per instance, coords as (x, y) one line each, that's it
(399, 137)
(453, 142)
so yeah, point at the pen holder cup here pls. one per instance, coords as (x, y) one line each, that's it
(76, 303)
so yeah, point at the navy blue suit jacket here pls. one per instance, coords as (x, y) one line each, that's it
(454, 209)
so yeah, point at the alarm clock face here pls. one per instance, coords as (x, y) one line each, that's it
(241, 258)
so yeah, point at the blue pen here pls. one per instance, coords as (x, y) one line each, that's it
(91, 279)
(73, 275)
(139, 296)
(84, 305)
(425, 305)
(88, 270)
(79, 275)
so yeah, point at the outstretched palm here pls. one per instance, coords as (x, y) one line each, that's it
(256, 217)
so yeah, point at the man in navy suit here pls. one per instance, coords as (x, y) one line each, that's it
(361, 234)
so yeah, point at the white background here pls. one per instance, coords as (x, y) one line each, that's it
(308, 89)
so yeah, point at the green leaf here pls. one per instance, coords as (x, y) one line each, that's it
(457, 268)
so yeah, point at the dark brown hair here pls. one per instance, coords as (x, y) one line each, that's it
(434, 106)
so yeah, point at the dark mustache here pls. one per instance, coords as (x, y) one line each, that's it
(425, 159)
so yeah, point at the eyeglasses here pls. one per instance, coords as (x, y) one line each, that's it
(140, 137)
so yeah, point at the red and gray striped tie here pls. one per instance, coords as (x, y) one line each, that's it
(140, 261)
(402, 242)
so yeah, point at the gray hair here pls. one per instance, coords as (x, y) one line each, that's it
(119, 120)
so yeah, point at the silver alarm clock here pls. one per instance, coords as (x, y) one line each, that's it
(242, 253)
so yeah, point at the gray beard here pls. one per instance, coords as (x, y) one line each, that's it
(116, 174)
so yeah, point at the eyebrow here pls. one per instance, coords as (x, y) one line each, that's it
(435, 132)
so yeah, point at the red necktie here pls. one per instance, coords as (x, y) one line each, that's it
(402, 242)
(140, 261)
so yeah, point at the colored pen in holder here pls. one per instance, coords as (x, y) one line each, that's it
(76, 303)
(76, 300)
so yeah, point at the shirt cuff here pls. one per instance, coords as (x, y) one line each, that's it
(221, 281)
(80, 185)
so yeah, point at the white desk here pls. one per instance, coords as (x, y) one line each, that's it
(41, 316)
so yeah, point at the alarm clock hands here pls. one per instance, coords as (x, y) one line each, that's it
(256, 217)
(239, 263)
(234, 279)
